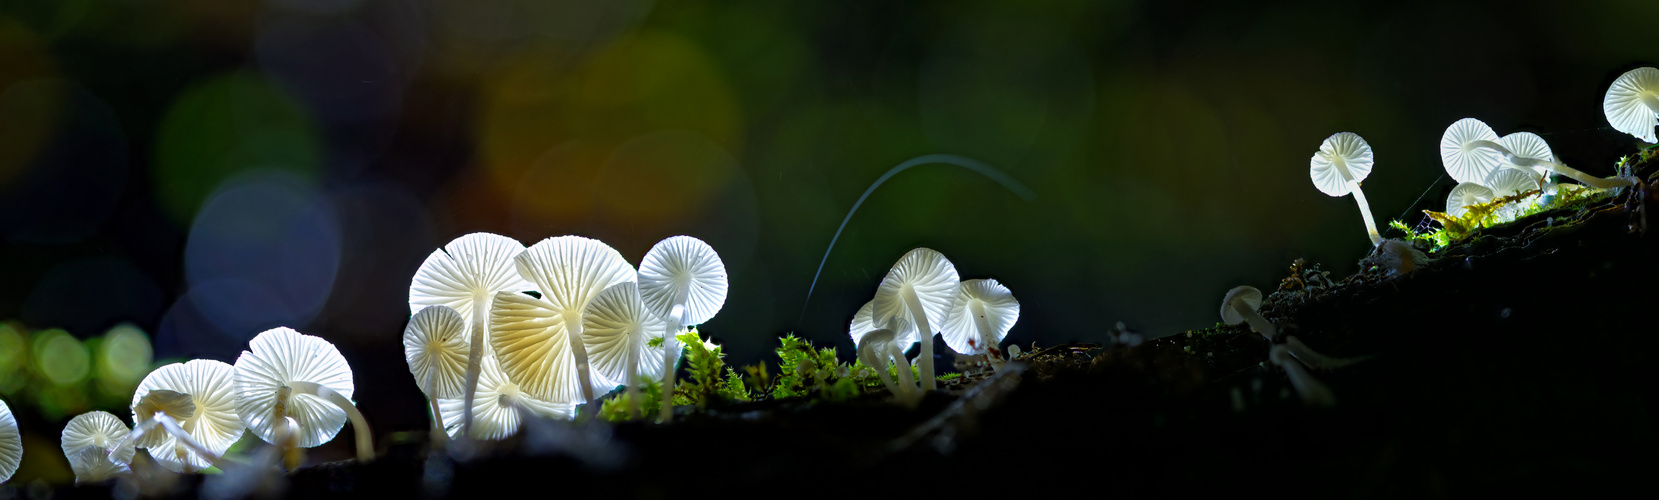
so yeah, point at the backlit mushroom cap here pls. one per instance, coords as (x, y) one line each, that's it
(864, 322)
(683, 266)
(529, 334)
(1001, 310)
(1527, 145)
(1343, 156)
(934, 280)
(616, 330)
(11, 443)
(1509, 182)
(210, 387)
(1466, 194)
(436, 345)
(478, 263)
(101, 432)
(1465, 161)
(281, 356)
(1251, 297)
(492, 416)
(1632, 103)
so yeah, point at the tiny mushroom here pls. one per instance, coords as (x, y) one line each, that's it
(1343, 160)
(920, 287)
(92, 443)
(289, 378)
(539, 341)
(11, 443)
(980, 317)
(616, 329)
(1464, 195)
(1240, 306)
(1632, 103)
(683, 281)
(435, 344)
(498, 405)
(195, 403)
(465, 275)
(864, 321)
(875, 349)
(1471, 151)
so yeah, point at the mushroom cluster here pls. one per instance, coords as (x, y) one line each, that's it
(1487, 167)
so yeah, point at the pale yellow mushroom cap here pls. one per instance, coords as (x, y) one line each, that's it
(436, 345)
(493, 417)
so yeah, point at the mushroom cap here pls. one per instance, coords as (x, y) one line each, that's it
(1627, 103)
(1509, 181)
(478, 263)
(528, 336)
(436, 345)
(1465, 194)
(1527, 145)
(1466, 163)
(934, 280)
(865, 322)
(278, 357)
(683, 265)
(99, 430)
(616, 328)
(570, 270)
(961, 332)
(93, 465)
(1250, 295)
(873, 346)
(11, 443)
(491, 419)
(213, 422)
(1343, 156)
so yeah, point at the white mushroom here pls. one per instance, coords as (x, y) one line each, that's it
(11, 443)
(92, 443)
(876, 349)
(195, 402)
(1464, 195)
(979, 318)
(616, 329)
(465, 275)
(683, 281)
(1240, 305)
(920, 287)
(1470, 152)
(436, 347)
(496, 409)
(1632, 103)
(864, 321)
(539, 341)
(1343, 160)
(289, 374)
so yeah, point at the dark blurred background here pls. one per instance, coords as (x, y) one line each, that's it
(192, 172)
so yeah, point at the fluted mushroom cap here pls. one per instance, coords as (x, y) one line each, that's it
(683, 266)
(1631, 102)
(457, 273)
(616, 328)
(1252, 299)
(1466, 194)
(864, 322)
(528, 334)
(961, 331)
(492, 418)
(96, 429)
(436, 345)
(213, 421)
(1464, 161)
(1342, 157)
(11, 443)
(1528, 148)
(934, 280)
(281, 356)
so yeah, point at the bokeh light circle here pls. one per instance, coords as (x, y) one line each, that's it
(60, 358)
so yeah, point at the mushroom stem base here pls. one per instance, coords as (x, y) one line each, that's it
(1365, 211)
(475, 361)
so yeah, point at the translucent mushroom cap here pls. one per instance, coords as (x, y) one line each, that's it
(1632, 103)
(1509, 181)
(493, 417)
(1464, 161)
(864, 322)
(469, 266)
(1250, 295)
(1343, 156)
(616, 329)
(93, 465)
(212, 419)
(436, 345)
(282, 356)
(11, 443)
(1529, 150)
(528, 334)
(1466, 194)
(683, 266)
(932, 277)
(961, 331)
(98, 430)
(875, 344)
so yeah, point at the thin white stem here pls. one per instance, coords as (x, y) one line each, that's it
(924, 362)
(1365, 211)
(1587, 179)
(573, 333)
(1313, 392)
(633, 383)
(671, 354)
(172, 427)
(987, 340)
(359, 426)
(909, 393)
(475, 359)
(1256, 321)
(438, 432)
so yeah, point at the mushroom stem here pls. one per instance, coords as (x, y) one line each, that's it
(172, 427)
(1314, 359)
(1365, 211)
(1256, 321)
(987, 339)
(633, 383)
(925, 360)
(1313, 392)
(897, 353)
(360, 427)
(438, 434)
(1514, 161)
(475, 360)
(670, 354)
(573, 333)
